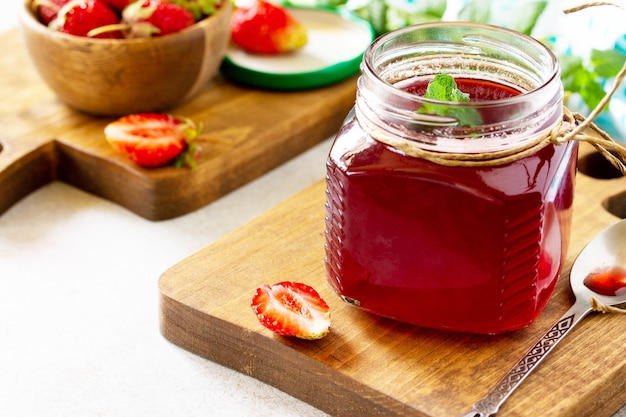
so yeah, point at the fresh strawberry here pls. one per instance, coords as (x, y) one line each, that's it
(265, 28)
(156, 18)
(154, 139)
(79, 17)
(47, 10)
(118, 5)
(292, 309)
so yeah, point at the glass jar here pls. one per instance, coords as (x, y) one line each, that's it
(441, 224)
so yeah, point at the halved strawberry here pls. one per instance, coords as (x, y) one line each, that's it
(154, 139)
(259, 26)
(292, 309)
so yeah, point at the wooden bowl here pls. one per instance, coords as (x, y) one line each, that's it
(113, 77)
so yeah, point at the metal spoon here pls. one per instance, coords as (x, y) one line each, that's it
(606, 250)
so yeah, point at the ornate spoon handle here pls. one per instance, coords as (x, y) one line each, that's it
(490, 403)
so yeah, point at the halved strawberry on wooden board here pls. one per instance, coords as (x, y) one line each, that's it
(154, 139)
(292, 309)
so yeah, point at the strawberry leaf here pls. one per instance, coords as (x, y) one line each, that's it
(188, 157)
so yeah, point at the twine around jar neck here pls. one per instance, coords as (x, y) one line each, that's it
(572, 126)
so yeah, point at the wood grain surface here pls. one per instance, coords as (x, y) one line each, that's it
(370, 366)
(247, 132)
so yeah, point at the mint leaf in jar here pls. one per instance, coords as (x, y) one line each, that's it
(443, 87)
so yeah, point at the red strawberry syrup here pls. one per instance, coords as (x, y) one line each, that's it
(607, 281)
(465, 249)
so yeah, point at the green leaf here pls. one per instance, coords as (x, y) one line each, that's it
(385, 16)
(377, 12)
(443, 88)
(570, 66)
(527, 14)
(331, 3)
(397, 18)
(585, 80)
(589, 88)
(607, 63)
(476, 11)
(465, 116)
(199, 8)
(433, 8)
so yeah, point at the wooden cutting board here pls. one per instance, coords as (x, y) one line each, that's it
(370, 366)
(247, 132)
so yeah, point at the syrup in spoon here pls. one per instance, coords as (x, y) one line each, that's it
(607, 281)
(598, 280)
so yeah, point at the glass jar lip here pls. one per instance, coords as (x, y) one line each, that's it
(525, 95)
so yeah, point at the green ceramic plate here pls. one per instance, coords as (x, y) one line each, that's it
(336, 42)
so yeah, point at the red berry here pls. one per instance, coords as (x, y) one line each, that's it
(156, 18)
(118, 5)
(292, 309)
(47, 10)
(152, 139)
(265, 28)
(79, 17)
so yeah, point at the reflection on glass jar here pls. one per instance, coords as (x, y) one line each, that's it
(441, 225)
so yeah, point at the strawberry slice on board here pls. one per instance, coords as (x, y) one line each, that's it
(292, 309)
(258, 26)
(154, 139)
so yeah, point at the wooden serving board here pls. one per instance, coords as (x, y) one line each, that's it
(247, 132)
(370, 366)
